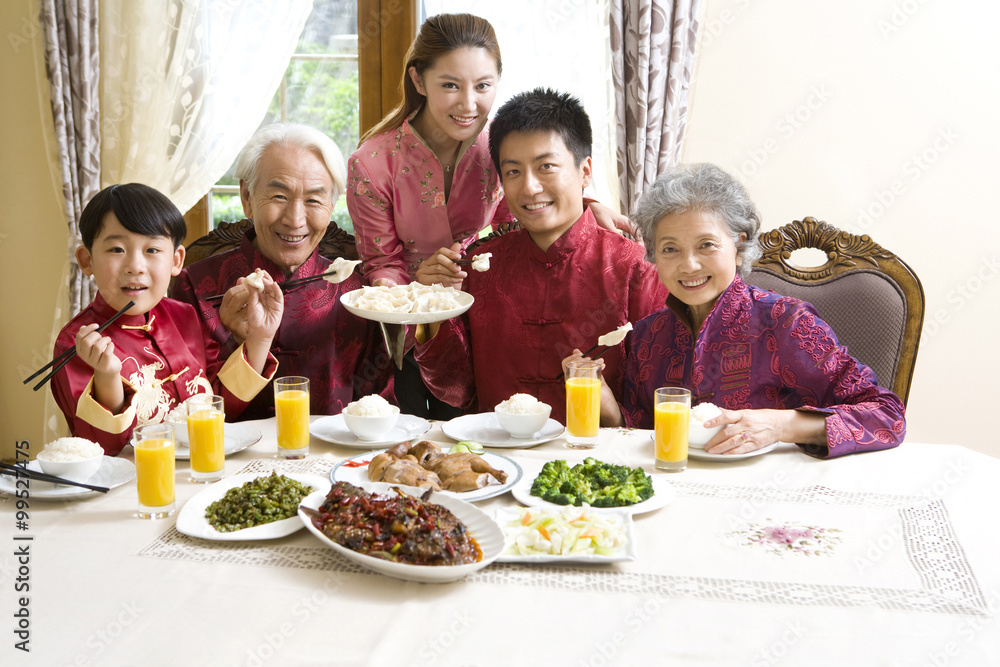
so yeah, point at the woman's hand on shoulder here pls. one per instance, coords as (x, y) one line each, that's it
(613, 220)
(441, 268)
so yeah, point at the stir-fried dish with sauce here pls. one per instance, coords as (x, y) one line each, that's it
(399, 528)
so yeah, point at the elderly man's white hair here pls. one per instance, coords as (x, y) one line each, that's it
(298, 136)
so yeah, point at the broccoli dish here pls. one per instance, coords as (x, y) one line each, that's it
(592, 482)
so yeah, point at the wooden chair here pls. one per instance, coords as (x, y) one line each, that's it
(228, 235)
(870, 297)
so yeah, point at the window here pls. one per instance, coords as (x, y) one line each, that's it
(320, 88)
(336, 81)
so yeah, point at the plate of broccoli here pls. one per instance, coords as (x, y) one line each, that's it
(595, 483)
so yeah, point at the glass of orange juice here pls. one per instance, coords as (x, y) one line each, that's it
(583, 404)
(291, 409)
(154, 470)
(671, 411)
(206, 436)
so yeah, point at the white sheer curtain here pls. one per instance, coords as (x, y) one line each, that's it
(561, 45)
(184, 83)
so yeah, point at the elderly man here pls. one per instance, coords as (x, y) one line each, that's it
(290, 177)
(556, 284)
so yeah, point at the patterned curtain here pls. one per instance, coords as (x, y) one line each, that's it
(653, 49)
(72, 62)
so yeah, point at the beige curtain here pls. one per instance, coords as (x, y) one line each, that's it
(185, 83)
(69, 28)
(653, 51)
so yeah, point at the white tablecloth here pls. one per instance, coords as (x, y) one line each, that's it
(902, 568)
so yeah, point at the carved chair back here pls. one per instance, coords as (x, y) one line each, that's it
(871, 298)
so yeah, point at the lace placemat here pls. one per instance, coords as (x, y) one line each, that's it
(947, 582)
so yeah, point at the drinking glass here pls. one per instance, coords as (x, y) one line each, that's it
(671, 411)
(291, 408)
(154, 470)
(583, 404)
(206, 437)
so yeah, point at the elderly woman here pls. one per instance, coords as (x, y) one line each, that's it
(290, 176)
(768, 361)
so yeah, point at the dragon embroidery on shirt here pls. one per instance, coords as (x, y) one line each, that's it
(151, 400)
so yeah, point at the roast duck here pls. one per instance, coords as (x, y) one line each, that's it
(426, 465)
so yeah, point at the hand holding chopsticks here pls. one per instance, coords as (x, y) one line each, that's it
(66, 356)
(340, 270)
(34, 475)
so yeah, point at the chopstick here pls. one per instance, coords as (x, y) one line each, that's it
(587, 354)
(20, 471)
(288, 284)
(65, 357)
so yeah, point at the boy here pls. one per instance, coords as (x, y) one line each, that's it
(157, 354)
(556, 284)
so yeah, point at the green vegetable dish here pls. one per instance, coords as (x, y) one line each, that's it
(260, 501)
(592, 482)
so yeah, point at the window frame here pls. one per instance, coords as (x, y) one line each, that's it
(386, 28)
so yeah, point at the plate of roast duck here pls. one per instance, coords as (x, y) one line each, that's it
(425, 464)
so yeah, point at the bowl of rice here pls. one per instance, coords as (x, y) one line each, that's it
(75, 459)
(370, 418)
(178, 419)
(698, 435)
(522, 415)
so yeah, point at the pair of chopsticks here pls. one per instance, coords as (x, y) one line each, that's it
(587, 354)
(287, 285)
(66, 356)
(21, 471)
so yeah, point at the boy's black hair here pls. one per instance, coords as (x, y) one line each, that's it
(139, 208)
(543, 110)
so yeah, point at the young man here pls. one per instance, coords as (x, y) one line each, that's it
(556, 284)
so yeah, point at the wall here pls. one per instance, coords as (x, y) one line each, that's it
(879, 117)
(32, 229)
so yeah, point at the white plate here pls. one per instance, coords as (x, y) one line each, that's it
(484, 428)
(237, 438)
(481, 527)
(463, 298)
(333, 429)
(663, 495)
(627, 552)
(191, 519)
(113, 473)
(358, 476)
(702, 455)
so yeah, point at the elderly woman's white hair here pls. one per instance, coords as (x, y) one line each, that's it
(701, 187)
(298, 136)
